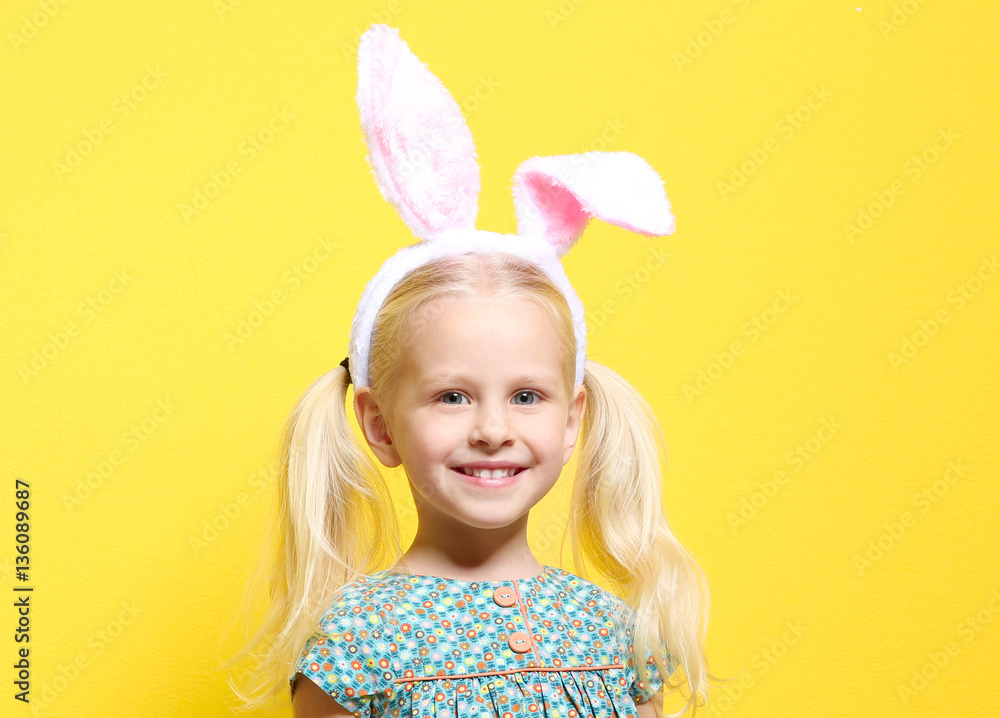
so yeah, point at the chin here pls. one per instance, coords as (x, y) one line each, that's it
(492, 520)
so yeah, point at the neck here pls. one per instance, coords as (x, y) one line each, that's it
(466, 553)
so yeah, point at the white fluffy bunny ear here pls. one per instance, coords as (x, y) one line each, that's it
(420, 147)
(556, 196)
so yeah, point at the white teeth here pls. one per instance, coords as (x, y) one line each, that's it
(487, 474)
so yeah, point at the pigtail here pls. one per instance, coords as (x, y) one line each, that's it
(332, 522)
(619, 525)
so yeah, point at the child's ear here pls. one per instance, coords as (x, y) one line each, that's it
(577, 406)
(374, 426)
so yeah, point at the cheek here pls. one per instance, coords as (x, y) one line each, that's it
(428, 443)
(548, 438)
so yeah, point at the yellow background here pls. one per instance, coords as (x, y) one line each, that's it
(820, 344)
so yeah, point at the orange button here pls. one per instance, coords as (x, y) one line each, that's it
(504, 596)
(519, 642)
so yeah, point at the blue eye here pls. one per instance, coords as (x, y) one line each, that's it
(446, 395)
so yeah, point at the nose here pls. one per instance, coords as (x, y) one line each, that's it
(492, 425)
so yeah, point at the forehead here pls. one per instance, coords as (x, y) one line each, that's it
(484, 336)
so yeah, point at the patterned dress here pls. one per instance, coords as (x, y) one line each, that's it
(554, 645)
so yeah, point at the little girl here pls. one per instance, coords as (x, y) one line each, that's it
(468, 360)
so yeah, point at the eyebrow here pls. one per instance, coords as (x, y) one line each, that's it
(524, 379)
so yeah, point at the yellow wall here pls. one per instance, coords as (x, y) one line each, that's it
(818, 338)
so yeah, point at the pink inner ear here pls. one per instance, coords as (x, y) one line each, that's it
(556, 196)
(563, 213)
(420, 147)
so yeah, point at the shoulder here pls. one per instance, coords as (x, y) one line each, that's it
(349, 655)
(589, 596)
(365, 603)
(583, 589)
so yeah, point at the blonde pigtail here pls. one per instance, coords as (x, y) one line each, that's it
(617, 522)
(332, 521)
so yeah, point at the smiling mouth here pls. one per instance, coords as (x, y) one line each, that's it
(489, 473)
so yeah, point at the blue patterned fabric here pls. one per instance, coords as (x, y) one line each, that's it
(555, 645)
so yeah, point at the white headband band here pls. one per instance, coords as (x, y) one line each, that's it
(424, 162)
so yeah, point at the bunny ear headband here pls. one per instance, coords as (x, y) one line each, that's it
(424, 161)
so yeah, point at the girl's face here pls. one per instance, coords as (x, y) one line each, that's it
(480, 384)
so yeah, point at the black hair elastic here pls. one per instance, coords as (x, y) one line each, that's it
(345, 365)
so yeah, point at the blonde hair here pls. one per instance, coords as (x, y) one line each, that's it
(334, 520)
